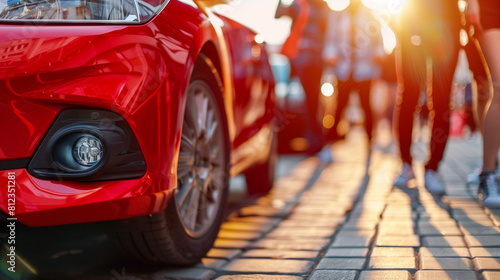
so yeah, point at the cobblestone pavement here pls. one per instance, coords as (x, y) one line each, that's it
(343, 219)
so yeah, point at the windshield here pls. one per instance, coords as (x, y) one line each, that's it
(79, 10)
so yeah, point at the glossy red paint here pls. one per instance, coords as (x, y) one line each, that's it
(253, 81)
(44, 203)
(139, 71)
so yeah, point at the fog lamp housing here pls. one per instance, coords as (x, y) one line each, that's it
(88, 145)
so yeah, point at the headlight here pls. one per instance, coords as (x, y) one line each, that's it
(79, 10)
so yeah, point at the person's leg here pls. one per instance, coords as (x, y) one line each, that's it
(411, 64)
(489, 189)
(310, 77)
(491, 140)
(480, 71)
(443, 70)
(480, 96)
(364, 91)
(344, 91)
(310, 80)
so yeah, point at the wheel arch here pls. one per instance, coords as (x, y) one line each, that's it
(209, 50)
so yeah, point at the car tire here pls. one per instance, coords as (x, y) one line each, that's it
(187, 229)
(260, 177)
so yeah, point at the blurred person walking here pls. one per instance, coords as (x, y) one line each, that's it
(482, 92)
(354, 51)
(428, 40)
(485, 15)
(304, 47)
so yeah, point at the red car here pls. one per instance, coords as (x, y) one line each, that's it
(132, 111)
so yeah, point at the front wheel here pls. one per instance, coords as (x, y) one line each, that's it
(185, 232)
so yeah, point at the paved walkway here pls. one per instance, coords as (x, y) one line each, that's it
(344, 220)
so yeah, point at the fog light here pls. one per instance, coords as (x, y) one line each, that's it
(88, 150)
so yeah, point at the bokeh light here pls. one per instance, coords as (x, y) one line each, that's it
(327, 89)
(328, 121)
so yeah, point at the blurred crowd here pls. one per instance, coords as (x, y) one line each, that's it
(345, 46)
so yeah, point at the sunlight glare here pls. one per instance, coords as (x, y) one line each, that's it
(337, 5)
(286, 2)
(464, 37)
(392, 6)
(388, 38)
(462, 4)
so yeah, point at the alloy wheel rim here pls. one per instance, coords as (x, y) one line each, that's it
(200, 171)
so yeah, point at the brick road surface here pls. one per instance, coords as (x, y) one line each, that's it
(343, 219)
